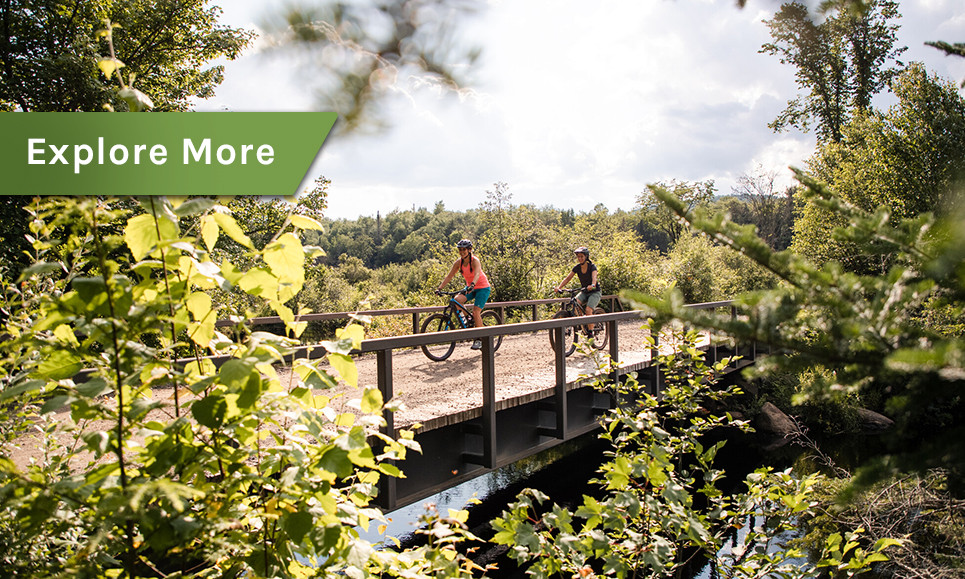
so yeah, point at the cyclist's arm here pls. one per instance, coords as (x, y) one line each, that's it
(452, 272)
(564, 282)
(594, 285)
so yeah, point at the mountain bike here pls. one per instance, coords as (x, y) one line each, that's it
(456, 316)
(597, 336)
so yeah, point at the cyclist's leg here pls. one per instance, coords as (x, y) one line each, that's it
(587, 310)
(592, 301)
(480, 297)
(581, 298)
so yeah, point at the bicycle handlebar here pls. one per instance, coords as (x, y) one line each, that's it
(571, 291)
(451, 294)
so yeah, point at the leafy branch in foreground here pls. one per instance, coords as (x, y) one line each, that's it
(661, 504)
(180, 467)
(872, 332)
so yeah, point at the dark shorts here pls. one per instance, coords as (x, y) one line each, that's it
(479, 297)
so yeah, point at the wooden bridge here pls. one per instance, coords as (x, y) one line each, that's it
(461, 446)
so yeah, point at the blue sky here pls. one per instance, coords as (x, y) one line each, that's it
(573, 104)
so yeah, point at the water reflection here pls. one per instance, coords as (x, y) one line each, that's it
(484, 488)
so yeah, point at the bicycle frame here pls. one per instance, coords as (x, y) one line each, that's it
(574, 305)
(595, 331)
(455, 306)
(446, 320)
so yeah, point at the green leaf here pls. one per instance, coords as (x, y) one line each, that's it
(284, 312)
(353, 332)
(286, 259)
(371, 401)
(305, 222)
(210, 411)
(141, 234)
(231, 228)
(59, 364)
(39, 268)
(193, 206)
(297, 525)
(91, 290)
(336, 461)
(22, 388)
(240, 377)
(231, 272)
(234, 374)
(201, 333)
(109, 65)
(391, 470)
(135, 99)
(199, 304)
(65, 334)
(312, 376)
(94, 387)
(345, 367)
(209, 231)
(260, 282)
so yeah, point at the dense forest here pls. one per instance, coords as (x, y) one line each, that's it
(396, 259)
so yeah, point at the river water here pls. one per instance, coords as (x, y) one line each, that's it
(561, 473)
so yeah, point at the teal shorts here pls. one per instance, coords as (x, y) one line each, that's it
(479, 297)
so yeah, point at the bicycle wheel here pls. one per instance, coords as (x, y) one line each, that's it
(569, 334)
(599, 333)
(492, 318)
(437, 323)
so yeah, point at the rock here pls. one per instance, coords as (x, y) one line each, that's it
(773, 421)
(871, 421)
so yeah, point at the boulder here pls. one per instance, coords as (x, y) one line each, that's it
(773, 421)
(871, 421)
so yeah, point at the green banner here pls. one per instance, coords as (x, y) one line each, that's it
(224, 153)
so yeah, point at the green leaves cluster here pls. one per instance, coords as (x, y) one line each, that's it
(908, 159)
(841, 62)
(661, 503)
(870, 332)
(50, 50)
(150, 465)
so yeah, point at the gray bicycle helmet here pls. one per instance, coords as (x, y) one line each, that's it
(464, 243)
(582, 250)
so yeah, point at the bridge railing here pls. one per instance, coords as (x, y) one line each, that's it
(416, 311)
(489, 456)
(485, 334)
(383, 347)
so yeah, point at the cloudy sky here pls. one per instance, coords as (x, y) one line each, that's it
(575, 103)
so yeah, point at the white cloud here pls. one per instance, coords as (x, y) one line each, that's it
(580, 103)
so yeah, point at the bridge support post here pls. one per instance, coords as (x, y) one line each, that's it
(737, 345)
(388, 495)
(559, 392)
(654, 367)
(489, 402)
(613, 333)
